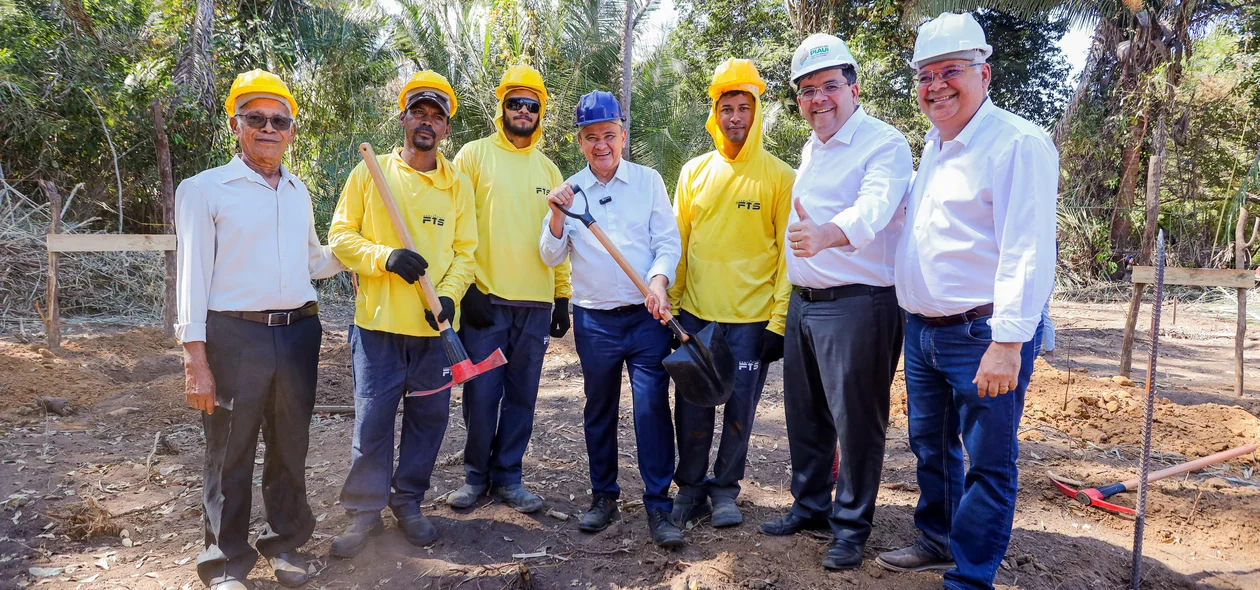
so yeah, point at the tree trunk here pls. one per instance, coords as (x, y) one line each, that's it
(1154, 175)
(193, 78)
(1130, 167)
(163, 147)
(627, 53)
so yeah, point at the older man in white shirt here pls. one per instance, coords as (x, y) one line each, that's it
(614, 325)
(250, 328)
(974, 269)
(844, 328)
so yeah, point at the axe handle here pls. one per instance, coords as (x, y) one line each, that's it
(1189, 466)
(634, 276)
(430, 295)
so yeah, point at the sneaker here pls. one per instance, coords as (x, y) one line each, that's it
(603, 511)
(418, 530)
(726, 513)
(841, 556)
(790, 524)
(518, 498)
(664, 532)
(915, 558)
(687, 512)
(465, 496)
(351, 542)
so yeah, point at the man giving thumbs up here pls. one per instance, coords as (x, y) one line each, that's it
(844, 329)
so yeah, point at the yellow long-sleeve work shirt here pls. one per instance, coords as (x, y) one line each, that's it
(438, 210)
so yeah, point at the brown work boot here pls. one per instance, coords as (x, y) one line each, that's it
(915, 558)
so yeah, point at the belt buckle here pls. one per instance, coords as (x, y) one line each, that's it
(807, 294)
(284, 315)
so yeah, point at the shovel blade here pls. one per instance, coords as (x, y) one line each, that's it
(703, 368)
(465, 370)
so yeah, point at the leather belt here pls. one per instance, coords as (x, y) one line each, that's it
(958, 318)
(276, 318)
(841, 292)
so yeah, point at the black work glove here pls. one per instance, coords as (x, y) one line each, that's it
(477, 310)
(448, 312)
(406, 264)
(560, 318)
(771, 347)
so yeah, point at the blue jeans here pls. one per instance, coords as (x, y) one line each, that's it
(386, 366)
(499, 405)
(966, 516)
(695, 424)
(607, 340)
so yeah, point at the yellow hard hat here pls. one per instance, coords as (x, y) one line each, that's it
(521, 76)
(736, 74)
(429, 80)
(259, 82)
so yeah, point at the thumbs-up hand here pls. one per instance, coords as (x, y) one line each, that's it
(807, 238)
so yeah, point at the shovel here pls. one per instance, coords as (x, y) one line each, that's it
(462, 369)
(703, 367)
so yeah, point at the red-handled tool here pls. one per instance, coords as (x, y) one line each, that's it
(1097, 497)
(462, 368)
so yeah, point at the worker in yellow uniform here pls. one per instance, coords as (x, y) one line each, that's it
(732, 206)
(395, 347)
(517, 302)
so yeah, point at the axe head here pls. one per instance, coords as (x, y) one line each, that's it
(465, 370)
(1091, 497)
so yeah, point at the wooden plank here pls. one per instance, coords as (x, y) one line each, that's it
(1203, 277)
(1239, 338)
(110, 242)
(52, 327)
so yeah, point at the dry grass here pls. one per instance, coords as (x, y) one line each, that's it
(87, 520)
(113, 284)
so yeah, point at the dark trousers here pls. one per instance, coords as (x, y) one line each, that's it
(839, 361)
(967, 516)
(264, 380)
(606, 341)
(499, 405)
(386, 366)
(695, 424)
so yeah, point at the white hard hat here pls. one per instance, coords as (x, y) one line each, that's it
(819, 52)
(950, 36)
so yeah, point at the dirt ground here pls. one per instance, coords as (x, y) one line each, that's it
(125, 388)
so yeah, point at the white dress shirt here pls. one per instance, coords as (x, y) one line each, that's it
(981, 224)
(856, 180)
(244, 246)
(636, 214)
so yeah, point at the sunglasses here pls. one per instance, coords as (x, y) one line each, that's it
(517, 103)
(279, 123)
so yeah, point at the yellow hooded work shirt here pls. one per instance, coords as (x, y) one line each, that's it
(511, 186)
(437, 208)
(732, 213)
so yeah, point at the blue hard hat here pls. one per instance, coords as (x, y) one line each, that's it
(597, 107)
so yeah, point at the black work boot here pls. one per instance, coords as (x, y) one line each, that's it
(664, 532)
(602, 513)
(726, 513)
(351, 542)
(842, 556)
(688, 511)
(418, 530)
(790, 524)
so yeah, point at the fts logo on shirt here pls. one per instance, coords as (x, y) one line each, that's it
(748, 205)
(434, 219)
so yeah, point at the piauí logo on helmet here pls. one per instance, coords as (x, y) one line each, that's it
(815, 51)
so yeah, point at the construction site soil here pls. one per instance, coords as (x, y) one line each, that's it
(109, 495)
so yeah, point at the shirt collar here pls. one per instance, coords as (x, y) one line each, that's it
(846, 132)
(238, 169)
(964, 137)
(622, 174)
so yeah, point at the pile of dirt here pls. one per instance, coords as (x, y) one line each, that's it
(1110, 412)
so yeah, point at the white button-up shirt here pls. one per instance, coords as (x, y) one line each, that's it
(633, 209)
(856, 180)
(244, 246)
(981, 224)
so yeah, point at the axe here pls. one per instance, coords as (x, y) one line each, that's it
(1097, 497)
(462, 368)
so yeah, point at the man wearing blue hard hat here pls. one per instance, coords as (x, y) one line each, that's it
(614, 325)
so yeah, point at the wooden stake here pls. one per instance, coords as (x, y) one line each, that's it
(1130, 323)
(168, 212)
(52, 326)
(1240, 336)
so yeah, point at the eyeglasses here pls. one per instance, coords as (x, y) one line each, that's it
(517, 103)
(945, 74)
(257, 121)
(829, 89)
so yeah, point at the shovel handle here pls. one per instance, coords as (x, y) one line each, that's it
(625, 265)
(374, 168)
(1190, 466)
